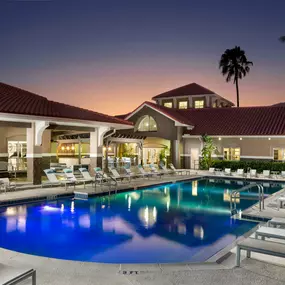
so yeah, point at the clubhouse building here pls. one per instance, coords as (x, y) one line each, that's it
(36, 132)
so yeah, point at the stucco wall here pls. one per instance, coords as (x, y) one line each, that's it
(251, 148)
(165, 127)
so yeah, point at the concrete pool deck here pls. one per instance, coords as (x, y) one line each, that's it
(261, 269)
(22, 196)
(64, 272)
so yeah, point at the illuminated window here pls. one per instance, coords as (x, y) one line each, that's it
(232, 153)
(279, 154)
(183, 105)
(168, 104)
(198, 104)
(147, 124)
(214, 104)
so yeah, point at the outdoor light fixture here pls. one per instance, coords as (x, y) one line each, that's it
(67, 148)
(104, 148)
(62, 148)
(269, 139)
(109, 148)
(73, 147)
(220, 139)
(240, 139)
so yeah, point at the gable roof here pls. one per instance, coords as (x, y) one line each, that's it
(172, 114)
(189, 89)
(14, 100)
(243, 121)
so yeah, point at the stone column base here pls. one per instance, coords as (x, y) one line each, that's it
(34, 172)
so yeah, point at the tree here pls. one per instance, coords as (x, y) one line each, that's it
(282, 39)
(234, 65)
(208, 149)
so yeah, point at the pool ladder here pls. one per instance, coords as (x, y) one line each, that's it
(234, 196)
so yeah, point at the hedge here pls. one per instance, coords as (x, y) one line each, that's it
(245, 164)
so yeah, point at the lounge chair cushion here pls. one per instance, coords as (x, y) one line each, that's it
(262, 246)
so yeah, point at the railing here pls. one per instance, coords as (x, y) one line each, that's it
(22, 277)
(260, 196)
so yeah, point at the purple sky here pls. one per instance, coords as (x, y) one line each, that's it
(111, 55)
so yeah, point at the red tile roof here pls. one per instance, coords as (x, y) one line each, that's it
(186, 90)
(172, 113)
(189, 89)
(243, 121)
(18, 101)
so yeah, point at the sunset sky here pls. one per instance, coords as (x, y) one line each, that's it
(111, 55)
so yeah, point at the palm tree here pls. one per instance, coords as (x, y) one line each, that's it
(234, 64)
(282, 39)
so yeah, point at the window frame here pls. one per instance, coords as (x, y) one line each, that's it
(232, 153)
(199, 100)
(168, 102)
(282, 153)
(183, 101)
(150, 121)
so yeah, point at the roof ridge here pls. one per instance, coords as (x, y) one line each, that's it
(23, 90)
(92, 111)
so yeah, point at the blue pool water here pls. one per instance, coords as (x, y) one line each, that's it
(181, 222)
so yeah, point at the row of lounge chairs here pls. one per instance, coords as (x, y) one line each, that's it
(264, 246)
(252, 173)
(67, 177)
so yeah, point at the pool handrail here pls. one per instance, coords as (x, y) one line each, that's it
(247, 187)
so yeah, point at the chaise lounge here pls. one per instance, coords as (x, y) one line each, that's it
(259, 246)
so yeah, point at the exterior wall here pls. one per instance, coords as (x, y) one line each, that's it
(209, 99)
(250, 148)
(166, 127)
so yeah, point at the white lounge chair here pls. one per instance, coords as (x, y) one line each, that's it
(265, 174)
(280, 201)
(268, 232)
(259, 246)
(252, 173)
(143, 172)
(212, 170)
(86, 175)
(117, 176)
(6, 185)
(276, 222)
(239, 173)
(227, 171)
(102, 177)
(179, 171)
(53, 181)
(166, 171)
(70, 176)
(282, 175)
(154, 171)
(130, 173)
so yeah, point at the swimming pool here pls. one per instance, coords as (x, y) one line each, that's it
(180, 222)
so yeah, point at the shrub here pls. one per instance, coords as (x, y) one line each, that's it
(245, 164)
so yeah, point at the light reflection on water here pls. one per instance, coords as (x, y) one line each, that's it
(171, 223)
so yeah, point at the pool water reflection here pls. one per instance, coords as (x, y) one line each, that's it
(181, 222)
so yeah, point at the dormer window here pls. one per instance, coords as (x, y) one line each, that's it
(168, 104)
(183, 104)
(146, 124)
(198, 104)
